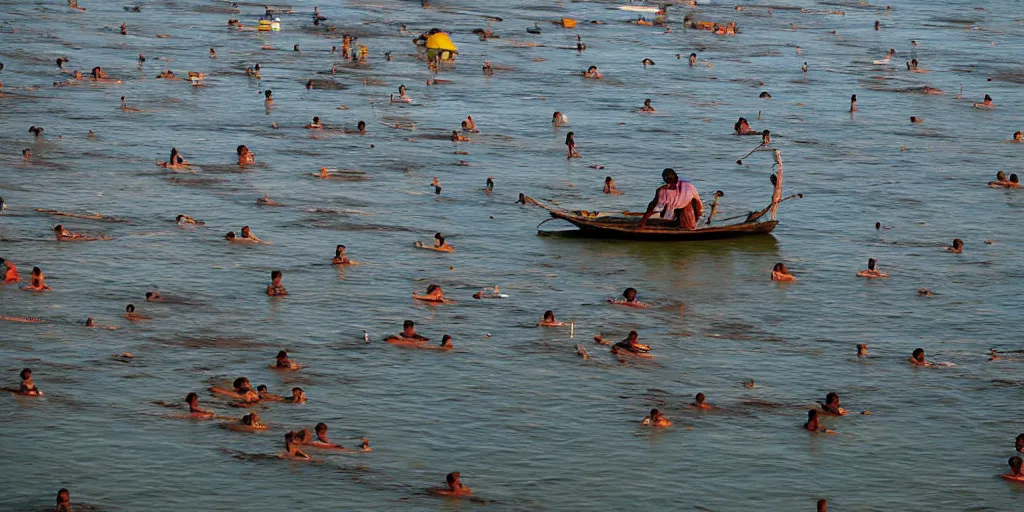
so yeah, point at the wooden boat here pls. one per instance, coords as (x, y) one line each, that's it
(624, 225)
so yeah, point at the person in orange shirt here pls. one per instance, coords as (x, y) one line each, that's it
(10, 272)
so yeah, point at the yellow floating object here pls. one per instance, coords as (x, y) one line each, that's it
(441, 41)
(568, 23)
(268, 25)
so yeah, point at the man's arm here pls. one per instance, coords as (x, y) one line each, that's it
(650, 210)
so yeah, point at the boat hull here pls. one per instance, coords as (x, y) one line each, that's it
(665, 234)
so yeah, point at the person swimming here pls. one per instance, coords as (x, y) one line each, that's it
(130, 314)
(248, 236)
(986, 103)
(692, 60)
(489, 185)
(37, 282)
(192, 399)
(315, 125)
(340, 258)
(241, 389)
(10, 272)
(831, 405)
(275, 288)
(298, 396)
(1019, 443)
(487, 69)
(63, 495)
(853, 103)
(656, 419)
(268, 95)
(251, 422)
(871, 271)
(917, 358)
(1016, 469)
(631, 345)
(570, 143)
(742, 127)
(27, 386)
(434, 294)
(456, 137)
(440, 244)
(700, 402)
(862, 350)
(957, 247)
(408, 333)
(403, 97)
(629, 299)
(592, 73)
(282, 362)
(813, 424)
(781, 273)
(1018, 136)
(549, 320)
(245, 157)
(453, 487)
(291, 447)
(647, 107)
(609, 187)
(264, 394)
(559, 119)
(186, 220)
(647, 62)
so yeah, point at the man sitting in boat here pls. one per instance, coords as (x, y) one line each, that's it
(677, 200)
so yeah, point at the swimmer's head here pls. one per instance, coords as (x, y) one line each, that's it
(958, 244)
(149, 295)
(1018, 135)
(632, 336)
(1015, 464)
(988, 98)
(191, 398)
(268, 93)
(832, 397)
(853, 98)
(780, 267)
(918, 354)
(36, 271)
(1014, 179)
(401, 89)
(230, 235)
(179, 217)
(275, 275)
(452, 479)
(1020, 443)
(282, 355)
(26, 374)
(549, 316)
(130, 308)
(361, 126)
(439, 237)
(63, 497)
(89, 322)
(250, 418)
(630, 293)
(316, 119)
(320, 428)
(700, 398)
(647, 102)
(262, 388)
(591, 68)
(240, 383)
(433, 288)
(812, 415)
(913, 119)
(446, 341)
(408, 324)
(862, 349)
(823, 503)
(240, 149)
(58, 228)
(871, 263)
(669, 176)
(878, 225)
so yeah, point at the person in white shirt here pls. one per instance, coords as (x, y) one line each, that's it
(676, 200)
